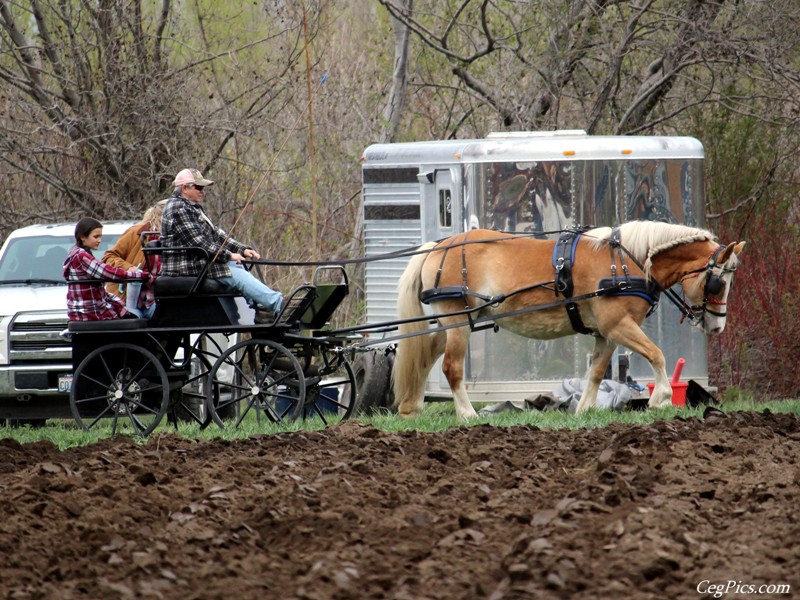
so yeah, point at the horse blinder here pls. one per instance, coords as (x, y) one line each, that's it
(714, 285)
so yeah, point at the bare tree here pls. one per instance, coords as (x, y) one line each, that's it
(397, 95)
(104, 101)
(614, 66)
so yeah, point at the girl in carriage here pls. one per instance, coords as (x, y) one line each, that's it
(87, 299)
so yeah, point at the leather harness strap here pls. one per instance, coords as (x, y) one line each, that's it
(616, 285)
(628, 286)
(453, 291)
(563, 260)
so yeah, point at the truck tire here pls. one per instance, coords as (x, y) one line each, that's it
(372, 371)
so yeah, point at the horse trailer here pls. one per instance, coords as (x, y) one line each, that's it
(536, 184)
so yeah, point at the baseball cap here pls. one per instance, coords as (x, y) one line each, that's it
(191, 176)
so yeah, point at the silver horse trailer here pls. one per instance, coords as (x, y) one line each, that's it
(537, 184)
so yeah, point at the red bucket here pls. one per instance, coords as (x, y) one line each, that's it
(678, 392)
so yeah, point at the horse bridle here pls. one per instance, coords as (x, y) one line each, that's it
(714, 284)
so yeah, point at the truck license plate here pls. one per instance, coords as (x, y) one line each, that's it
(64, 383)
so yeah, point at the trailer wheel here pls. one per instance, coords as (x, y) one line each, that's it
(372, 371)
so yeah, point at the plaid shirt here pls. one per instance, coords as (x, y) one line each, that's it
(87, 299)
(186, 224)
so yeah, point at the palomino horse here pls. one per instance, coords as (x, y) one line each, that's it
(616, 276)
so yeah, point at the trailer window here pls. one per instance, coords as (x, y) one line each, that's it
(445, 208)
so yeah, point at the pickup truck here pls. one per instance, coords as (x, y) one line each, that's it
(35, 359)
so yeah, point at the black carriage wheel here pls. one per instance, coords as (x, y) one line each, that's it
(225, 390)
(121, 382)
(267, 383)
(331, 391)
(188, 403)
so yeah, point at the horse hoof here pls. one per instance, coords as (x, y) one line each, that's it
(412, 414)
(663, 403)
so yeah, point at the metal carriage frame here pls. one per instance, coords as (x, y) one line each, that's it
(179, 364)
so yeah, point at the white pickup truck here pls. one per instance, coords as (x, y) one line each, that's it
(35, 360)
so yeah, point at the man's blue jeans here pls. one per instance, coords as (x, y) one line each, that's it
(251, 288)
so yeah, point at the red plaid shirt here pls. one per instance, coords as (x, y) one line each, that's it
(87, 298)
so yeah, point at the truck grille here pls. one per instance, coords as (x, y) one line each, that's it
(34, 337)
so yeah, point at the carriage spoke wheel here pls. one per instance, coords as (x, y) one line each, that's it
(123, 383)
(188, 403)
(265, 383)
(331, 390)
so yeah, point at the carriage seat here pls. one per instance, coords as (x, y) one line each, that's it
(166, 286)
(326, 297)
(108, 325)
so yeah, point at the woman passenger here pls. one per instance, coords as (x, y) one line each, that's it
(127, 254)
(87, 299)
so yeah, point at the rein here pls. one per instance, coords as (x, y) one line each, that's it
(616, 284)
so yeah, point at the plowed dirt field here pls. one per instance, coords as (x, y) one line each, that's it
(660, 511)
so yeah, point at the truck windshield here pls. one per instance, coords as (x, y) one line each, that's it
(40, 260)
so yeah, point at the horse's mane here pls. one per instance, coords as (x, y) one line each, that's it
(645, 239)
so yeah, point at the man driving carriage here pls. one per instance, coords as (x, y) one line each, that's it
(186, 224)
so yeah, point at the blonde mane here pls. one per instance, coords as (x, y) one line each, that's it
(645, 239)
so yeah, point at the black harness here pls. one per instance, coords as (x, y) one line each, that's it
(463, 291)
(563, 260)
(616, 285)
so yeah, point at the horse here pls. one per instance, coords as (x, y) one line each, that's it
(520, 284)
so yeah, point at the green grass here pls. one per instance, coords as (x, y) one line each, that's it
(437, 416)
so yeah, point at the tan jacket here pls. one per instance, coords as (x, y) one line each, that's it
(126, 254)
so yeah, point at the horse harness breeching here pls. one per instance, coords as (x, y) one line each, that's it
(463, 291)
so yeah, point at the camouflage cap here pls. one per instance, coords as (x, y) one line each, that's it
(188, 176)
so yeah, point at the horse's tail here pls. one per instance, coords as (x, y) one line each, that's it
(415, 355)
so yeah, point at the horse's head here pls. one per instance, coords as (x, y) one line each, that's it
(707, 288)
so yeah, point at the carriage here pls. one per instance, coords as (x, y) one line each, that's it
(136, 371)
(202, 358)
